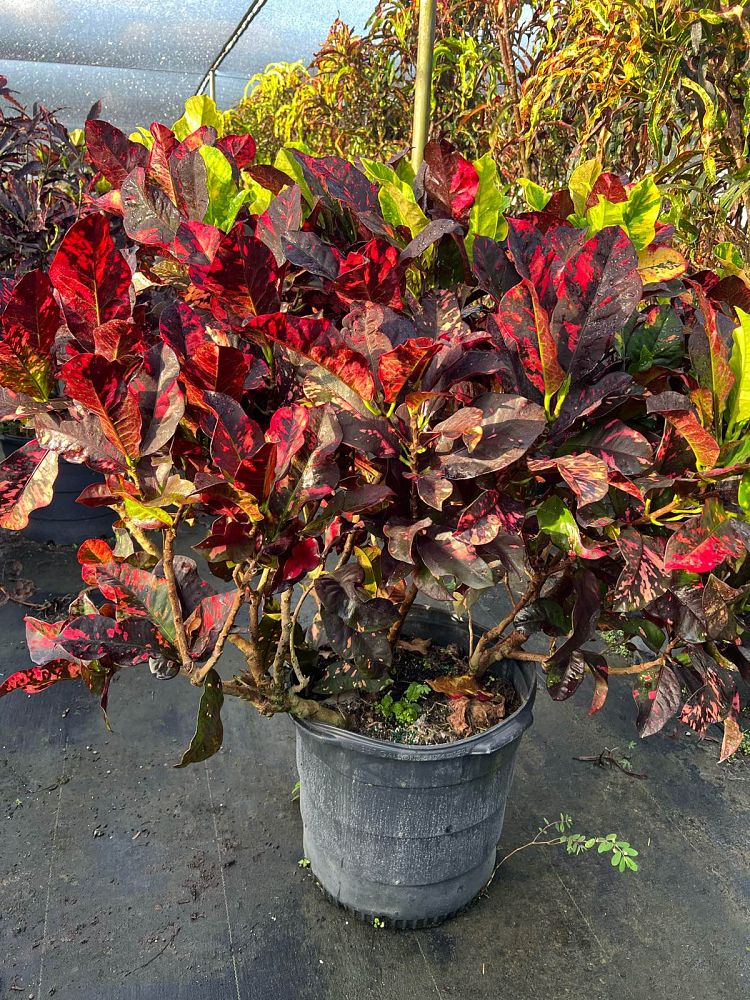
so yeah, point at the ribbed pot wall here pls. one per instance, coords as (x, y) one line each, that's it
(407, 833)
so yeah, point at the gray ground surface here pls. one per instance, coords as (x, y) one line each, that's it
(124, 879)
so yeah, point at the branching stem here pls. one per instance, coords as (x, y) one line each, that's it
(173, 593)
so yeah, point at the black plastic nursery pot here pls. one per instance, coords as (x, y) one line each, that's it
(64, 521)
(405, 833)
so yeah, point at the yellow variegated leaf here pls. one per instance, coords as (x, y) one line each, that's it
(660, 264)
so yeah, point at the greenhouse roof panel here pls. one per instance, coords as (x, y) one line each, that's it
(143, 58)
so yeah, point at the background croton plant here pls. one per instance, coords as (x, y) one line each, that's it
(371, 388)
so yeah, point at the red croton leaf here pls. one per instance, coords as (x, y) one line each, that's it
(563, 679)
(450, 179)
(586, 611)
(205, 623)
(29, 324)
(539, 248)
(643, 577)
(242, 279)
(127, 642)
(149, 215)
(510, 427)
(157, 166)
(195, 243)
(304, 557)
(36, 679)
(117, 339)
(405, 365)
(600, 672)
(183, 329)
(401, 538)
(482, 521)
(43, 641)
(160, 397)
(680, 413)
(585, 474)
(100, 386)
(702, 543)
(111, 151)
(91, 275)
(283, 215)
(335, 179)
(214, 368)
(27, 480)
(318, 341)
(597, 291)
(235, 437)
(620, 446)
(188, 171)
(370, 274)
(609, 187)
(711, 695)
(446, 555)
(709, 353)
(79, 441)
(136, 592)
(240, 148)
(524, 328)
(91, 554)
(286, 430)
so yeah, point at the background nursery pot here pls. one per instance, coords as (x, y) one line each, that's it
(406, 833)
(64, 521)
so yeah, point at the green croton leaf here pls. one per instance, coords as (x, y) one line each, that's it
(209, 731)
(396, 197)
(199, 110)
(739, 397)
(486, 214)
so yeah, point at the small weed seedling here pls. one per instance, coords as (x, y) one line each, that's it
(407, 709)
(622, 854)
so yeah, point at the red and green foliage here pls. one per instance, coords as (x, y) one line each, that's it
(379, 390)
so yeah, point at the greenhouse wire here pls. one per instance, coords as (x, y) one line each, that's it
(250, 14)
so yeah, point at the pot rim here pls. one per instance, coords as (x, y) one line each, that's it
(480, 743)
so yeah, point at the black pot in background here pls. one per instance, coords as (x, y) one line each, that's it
(404, 833)
(64, 521)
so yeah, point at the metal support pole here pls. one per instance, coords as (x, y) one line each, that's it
(212, 85)
(423, 82)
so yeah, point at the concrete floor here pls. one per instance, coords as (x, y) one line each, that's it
(123, 879)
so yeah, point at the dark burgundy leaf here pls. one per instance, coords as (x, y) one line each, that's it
(308, 251)
(149, 215)
(661, 704)
(511, 426)
(111, 151)
(564, 678)
(597, 291)
(127, 642)
(643, 578)
(585, 615)
(282, 217)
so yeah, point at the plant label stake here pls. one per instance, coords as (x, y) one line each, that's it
(423, 82)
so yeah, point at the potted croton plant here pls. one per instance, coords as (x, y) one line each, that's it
(379, 398)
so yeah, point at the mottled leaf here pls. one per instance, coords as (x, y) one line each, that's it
(27, 480)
